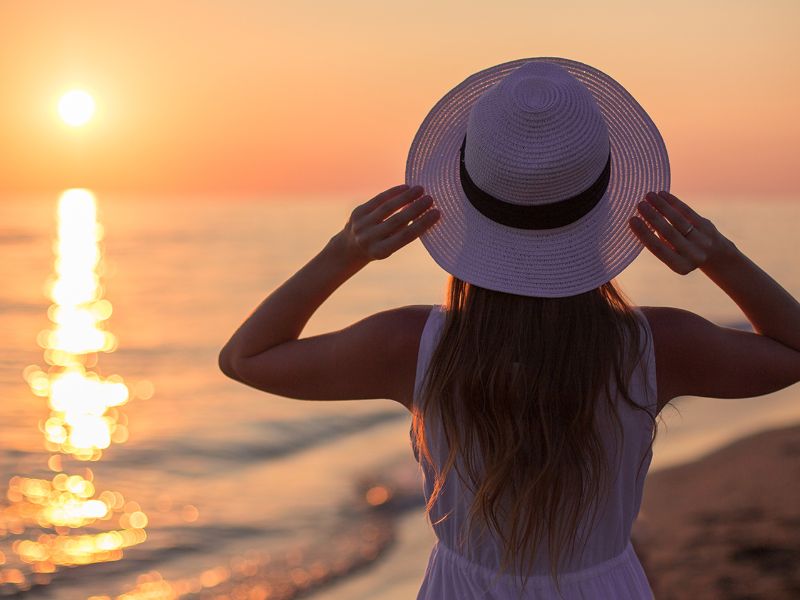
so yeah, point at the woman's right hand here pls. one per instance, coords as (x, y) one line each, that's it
(703, 246)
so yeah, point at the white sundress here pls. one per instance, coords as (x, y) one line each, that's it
(609, 567)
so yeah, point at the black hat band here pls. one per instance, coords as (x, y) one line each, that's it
(542, 216)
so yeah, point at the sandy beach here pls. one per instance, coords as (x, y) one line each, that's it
(726, 525)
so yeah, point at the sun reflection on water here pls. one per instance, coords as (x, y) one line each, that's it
(58, 515)
(85, 419)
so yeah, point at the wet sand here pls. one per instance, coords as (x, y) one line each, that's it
(726, 525)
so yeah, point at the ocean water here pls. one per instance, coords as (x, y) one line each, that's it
(180, 483)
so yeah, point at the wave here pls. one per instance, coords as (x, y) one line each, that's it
(263, 441)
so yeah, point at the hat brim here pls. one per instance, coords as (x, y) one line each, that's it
(559, 262)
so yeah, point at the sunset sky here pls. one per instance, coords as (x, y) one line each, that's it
(266, 98)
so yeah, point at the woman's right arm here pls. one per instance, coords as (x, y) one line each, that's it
(698, 357)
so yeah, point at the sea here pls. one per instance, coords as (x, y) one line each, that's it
(132, 468)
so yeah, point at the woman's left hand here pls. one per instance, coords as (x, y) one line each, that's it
(375, 231)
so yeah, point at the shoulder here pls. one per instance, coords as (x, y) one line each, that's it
(408, 324)
(414, 314)
(670, 327)
(668, 323)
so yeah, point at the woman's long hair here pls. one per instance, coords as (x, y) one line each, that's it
(518, 381)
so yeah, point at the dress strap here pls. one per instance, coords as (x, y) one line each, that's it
(650, 391)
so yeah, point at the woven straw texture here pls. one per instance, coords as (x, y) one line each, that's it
(541, 140)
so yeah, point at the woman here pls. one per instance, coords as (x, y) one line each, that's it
(535, 387)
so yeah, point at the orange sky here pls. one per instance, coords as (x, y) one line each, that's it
(263, 98)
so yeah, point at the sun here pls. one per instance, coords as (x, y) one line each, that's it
(76, 107)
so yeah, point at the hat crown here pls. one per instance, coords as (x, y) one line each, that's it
(536, 137)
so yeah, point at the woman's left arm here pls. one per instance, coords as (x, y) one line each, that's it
(258, 353)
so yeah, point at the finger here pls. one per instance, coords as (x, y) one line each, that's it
(390, 205)
(680, 222)
(403, 217)
(664, 227)
(664, 253)
(407, 234)
(683, 207)
(370, 205)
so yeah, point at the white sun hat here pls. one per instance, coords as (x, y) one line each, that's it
(535, 166)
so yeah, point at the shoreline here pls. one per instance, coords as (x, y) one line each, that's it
(725, 525)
